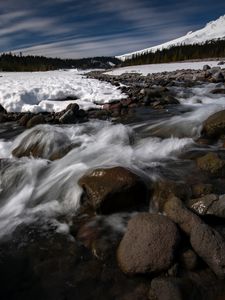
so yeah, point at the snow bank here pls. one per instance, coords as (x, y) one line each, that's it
(158, 68)
(41, 91)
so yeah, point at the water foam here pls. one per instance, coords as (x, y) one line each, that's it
(30, 187)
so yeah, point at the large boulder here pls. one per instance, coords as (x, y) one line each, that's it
(113, 189)
(214, 126)
(206, 241)
(149, 244)
(212, 164)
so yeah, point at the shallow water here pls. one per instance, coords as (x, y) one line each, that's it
(150, 146)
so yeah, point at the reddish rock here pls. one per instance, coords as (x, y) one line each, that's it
(113, 189)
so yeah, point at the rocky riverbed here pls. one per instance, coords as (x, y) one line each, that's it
(126, 202)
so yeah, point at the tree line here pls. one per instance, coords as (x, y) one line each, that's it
(210, 49)
(18, 63)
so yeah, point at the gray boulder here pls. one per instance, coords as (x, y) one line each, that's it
(149, 244)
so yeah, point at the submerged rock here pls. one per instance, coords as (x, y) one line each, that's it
(43, 142)
(149, 244)
(113, 190)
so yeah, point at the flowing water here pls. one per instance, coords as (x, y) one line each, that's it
(32, 188)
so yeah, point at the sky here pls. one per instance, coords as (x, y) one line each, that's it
(86, 28)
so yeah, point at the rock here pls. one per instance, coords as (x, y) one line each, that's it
(211, 164)
(214, 126)
(61, 152)
(201, 189)
(112, 106)
(24, 119)
(221, 63)
(215, 70)
(68, 117)
(113, 189)
(199, 285)
(218, 77)
(73, 106)
(81, 113)
(210, 246)
(36, 120)
(126, 102)
(218, 91)
(178, 213)
(201, 205)
(173, 289)
(2, 110)
(163, 189)
(206, 241)
(156, 93)
(149, 244)
(3, 118)
(42, 142)
(189, 259)
(206, 67)
(211, 204)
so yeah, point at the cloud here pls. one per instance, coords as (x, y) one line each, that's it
(72, 28)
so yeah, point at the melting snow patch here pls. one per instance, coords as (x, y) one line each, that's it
(39, 91)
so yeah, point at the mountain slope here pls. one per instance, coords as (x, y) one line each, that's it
(213, 30)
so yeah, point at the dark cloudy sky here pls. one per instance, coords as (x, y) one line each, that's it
(72, 28)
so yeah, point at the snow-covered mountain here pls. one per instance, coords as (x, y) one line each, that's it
(213, 30)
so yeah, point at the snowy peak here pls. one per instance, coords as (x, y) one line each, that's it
(212, 31)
